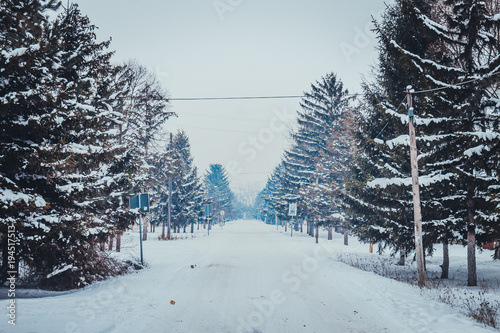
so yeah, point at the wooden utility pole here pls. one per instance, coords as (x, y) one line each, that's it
(417, 214)
(169, 196)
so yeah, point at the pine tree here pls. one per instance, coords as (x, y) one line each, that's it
(188, 202)
(321, 109)
(24, 98)
(216, 181)
(456, 119)
(474, 34)
(380, 196)
(78, 139)
(273, 196)
(324, 196)
(63, 154)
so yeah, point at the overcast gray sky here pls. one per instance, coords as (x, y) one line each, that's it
(226, 48)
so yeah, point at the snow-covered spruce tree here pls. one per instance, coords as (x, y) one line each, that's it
(166, 169)
(473, 33)
(273, 196)
(69, 141)
(176, 166)
(128, 168)
(456, 124)
(321, 109)
(216, 181)
(188, 195)
(80, 145)
(380, 188)
(324, 197)
(24, 98)
(460, 124)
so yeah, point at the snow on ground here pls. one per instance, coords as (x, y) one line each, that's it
(248, 277)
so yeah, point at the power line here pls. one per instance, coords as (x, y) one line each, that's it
(233, 98)
(227, 130)
(238, 98)
(451, 85)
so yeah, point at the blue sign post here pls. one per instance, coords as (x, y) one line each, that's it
(208, 214)
(141, 202)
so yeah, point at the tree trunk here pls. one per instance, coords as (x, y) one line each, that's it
(402, 256)
(118, 241)
(301, 225)
(110, 248)
(471, 241)
(103, 246)
(192, 227)
(446, 261)
(346, 234)
(184, 228)
(497, 252)
(286, 222)
(145, 230)
(330, 232)
(317, 233)
(425, 262)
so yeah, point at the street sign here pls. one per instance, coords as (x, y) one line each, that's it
(144, 199)
(208, 210)
(292, 209)
(140, 201)
(134, 202)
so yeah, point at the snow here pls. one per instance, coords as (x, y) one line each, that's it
(248, 277)
(407, 181)
(9, 197)
(475, 150)
(59, 271)
(402, 140)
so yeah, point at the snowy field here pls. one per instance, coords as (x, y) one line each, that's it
(250, 277)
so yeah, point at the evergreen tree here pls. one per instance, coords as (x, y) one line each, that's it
(187, 198)
(216, 181)
(321, 110)
(454, 121)
(68, 139)
(24, 98)
(324, 196)
(188, 195)
(272, 198)
(67, 166)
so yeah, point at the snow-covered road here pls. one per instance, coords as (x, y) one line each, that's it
(245, 278)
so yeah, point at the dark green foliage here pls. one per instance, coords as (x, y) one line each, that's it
(216, 182)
